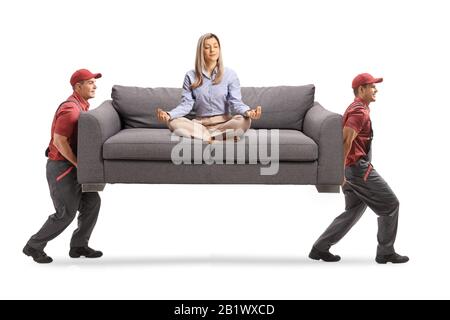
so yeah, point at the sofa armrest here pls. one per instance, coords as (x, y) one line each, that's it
(325, 128)
(94, 128)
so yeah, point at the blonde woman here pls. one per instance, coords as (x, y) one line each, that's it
(214, 93)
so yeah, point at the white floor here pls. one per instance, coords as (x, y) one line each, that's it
(224, 242)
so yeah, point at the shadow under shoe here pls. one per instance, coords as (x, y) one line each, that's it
(38, 256)
(326, 256)
(393, 258)
(76, 252)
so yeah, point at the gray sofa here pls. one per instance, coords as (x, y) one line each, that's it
(121, 142)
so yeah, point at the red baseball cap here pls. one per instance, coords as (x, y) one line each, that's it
(83, 74)
(364, 78)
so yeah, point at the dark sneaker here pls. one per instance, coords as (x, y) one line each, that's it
(87, 252)
(38, 255)
(393, 258)
(323, 255)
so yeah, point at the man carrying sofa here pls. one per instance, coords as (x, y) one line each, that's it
(65, 190)
(363, 186)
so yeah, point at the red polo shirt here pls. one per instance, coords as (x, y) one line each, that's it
(357, 117)
(65, 123)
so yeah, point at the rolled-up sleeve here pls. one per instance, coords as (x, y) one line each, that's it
(187, 100)
(67, 120)
(234, 97)
(356, 119)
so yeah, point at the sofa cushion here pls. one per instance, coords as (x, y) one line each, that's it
(156, 145)
(137, 106)
(284, 107)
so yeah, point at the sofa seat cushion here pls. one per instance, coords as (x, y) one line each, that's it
(156, 145)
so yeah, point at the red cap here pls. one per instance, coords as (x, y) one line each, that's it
(364, 78)
(83, 74)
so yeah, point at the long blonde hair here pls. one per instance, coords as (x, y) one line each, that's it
(200, 61)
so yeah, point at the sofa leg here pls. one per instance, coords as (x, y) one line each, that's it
(92, 187)
(328, 188)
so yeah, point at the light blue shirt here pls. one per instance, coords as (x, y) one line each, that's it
(209, 99)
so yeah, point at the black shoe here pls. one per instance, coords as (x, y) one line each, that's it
(394, 258)
(38, 255)
(323, 255)
(76, 252)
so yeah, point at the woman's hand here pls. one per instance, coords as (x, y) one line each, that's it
(254, 114)
(162, 116)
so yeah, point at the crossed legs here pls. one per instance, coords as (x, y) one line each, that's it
(211, 128)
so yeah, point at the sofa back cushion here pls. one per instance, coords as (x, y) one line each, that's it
(284, 107)
(137, 106)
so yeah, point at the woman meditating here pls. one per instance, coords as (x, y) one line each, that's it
(214, 93)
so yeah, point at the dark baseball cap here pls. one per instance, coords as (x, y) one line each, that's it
(83, 74)
(364, 78)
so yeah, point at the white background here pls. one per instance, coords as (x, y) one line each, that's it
(229, 242)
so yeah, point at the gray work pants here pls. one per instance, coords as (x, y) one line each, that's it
(67, 200)
(364, 188)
